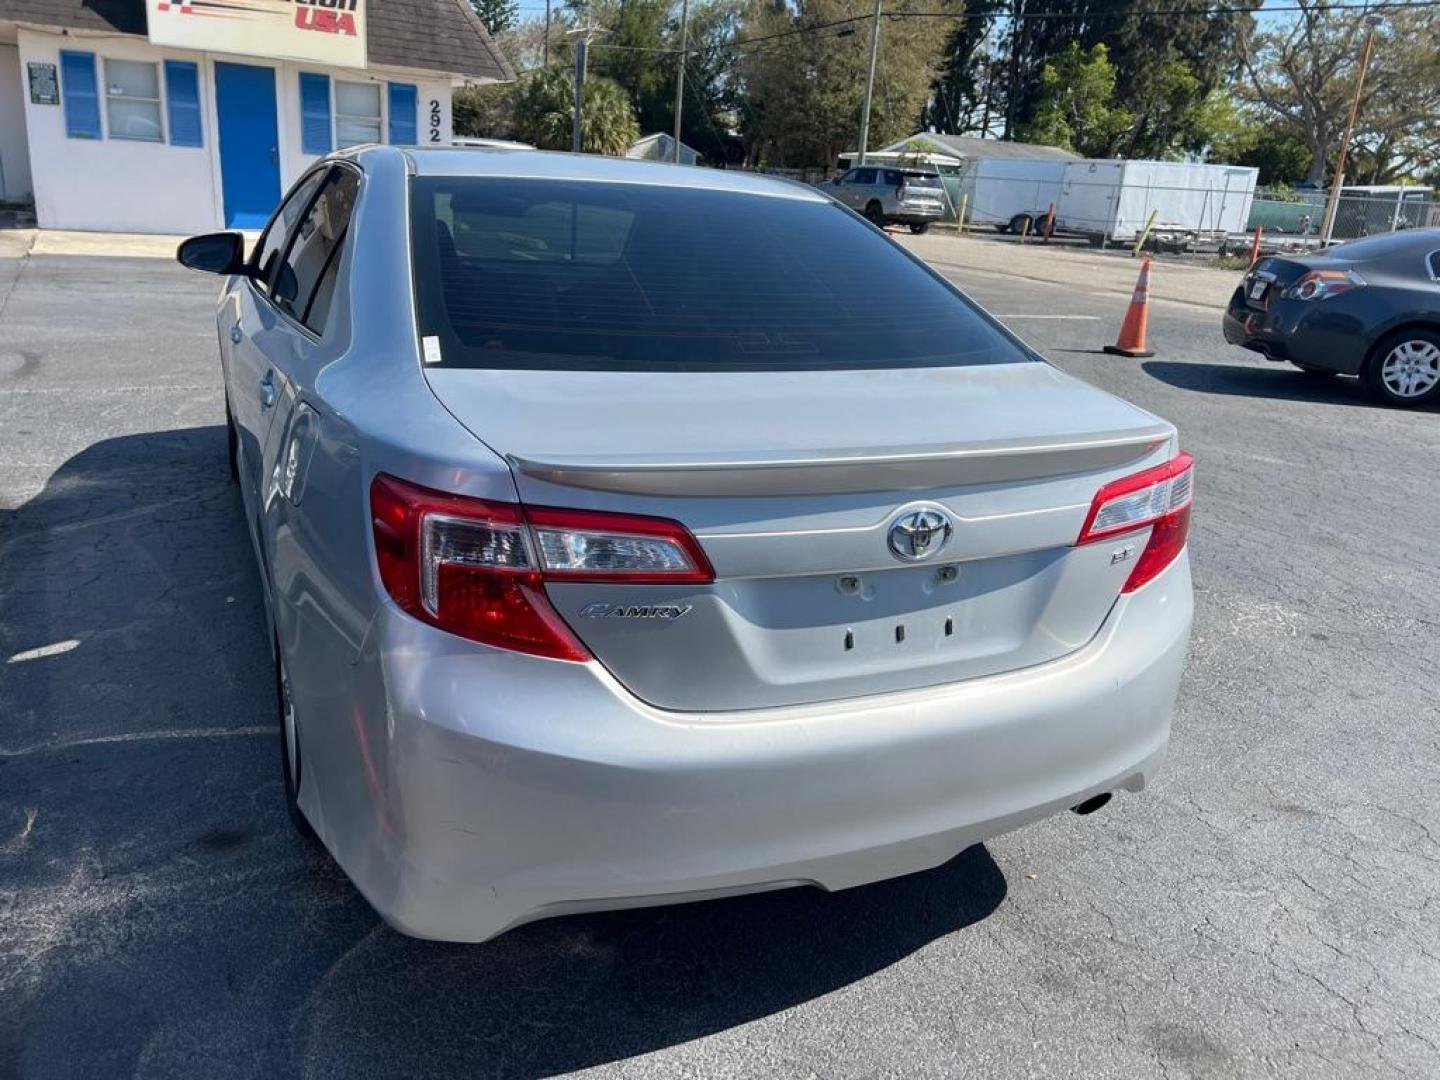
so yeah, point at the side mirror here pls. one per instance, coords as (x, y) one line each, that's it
(214, 253)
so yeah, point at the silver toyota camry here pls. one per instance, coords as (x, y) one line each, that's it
(633, 534)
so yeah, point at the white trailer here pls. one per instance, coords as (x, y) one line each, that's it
(1113, 200)
(1008, 188)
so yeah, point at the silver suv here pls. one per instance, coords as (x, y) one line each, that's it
(891, 196)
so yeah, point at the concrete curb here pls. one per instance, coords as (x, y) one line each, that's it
(18, 242)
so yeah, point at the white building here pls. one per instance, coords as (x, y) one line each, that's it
(182, 116)
(661, 147)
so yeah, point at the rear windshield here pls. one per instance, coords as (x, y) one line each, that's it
(602, 276)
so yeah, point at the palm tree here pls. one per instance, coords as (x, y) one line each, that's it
(545, 111)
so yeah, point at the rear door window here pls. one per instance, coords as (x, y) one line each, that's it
(527, 273)
(305, 280)
(864, 176)
(277, 234)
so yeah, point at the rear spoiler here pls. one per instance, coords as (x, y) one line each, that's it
(840, 471)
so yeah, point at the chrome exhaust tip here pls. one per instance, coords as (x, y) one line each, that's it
(1090, 805)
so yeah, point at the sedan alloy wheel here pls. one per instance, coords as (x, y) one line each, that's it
(1408, 372)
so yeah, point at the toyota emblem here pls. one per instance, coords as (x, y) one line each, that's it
(920, 532)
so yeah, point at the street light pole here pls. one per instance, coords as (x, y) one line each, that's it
(680, 75)
(869, 84)
(1332, 205)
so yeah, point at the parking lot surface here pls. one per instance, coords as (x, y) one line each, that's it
(1270, 907)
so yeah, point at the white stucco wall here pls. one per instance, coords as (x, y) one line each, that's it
(294, 160)
(14, 151)
(117, 185)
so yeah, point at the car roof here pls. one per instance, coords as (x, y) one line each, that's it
(1381, 245)
(550, 165)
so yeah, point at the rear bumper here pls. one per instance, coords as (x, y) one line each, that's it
(500, 789)
(908, 215)
(1321, 334)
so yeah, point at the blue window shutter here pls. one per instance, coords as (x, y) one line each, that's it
(82, 96)
(315, 113)
(404, 99)
(182, 91)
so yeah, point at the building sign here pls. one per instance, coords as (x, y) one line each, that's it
(44, 90)
(323, 31)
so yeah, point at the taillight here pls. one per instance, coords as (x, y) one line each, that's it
(478, 568)
(1320, 284)
(587, 545)
(1157, 498)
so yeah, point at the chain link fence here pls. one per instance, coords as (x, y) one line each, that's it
(1359, 212)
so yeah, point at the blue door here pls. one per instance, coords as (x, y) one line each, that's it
(249, 143)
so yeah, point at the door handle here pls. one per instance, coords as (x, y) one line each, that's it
(267, 390)
(235, 334)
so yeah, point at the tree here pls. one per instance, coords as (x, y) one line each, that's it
(545, 111)
(803, 85)
(1168, 67)
(1398, 135)
(497, 15)
(709, 119)
(1075, 109)
(1280, 155)
(1167, 62)
(1302, 74)
(632, 51)
(486, 112)
(965, 92)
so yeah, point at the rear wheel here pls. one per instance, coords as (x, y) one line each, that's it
(919, 227)
(1022, 223)
(1405, 368)
(290, 760)
(875, 214)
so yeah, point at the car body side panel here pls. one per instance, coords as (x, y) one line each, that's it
(373, 413)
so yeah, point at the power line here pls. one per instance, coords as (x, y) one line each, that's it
(1073, 16)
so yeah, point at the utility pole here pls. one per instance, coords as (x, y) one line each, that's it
(545, 49)
(680, 75)
(869, 85)
(582, 43)
(1017, 27)
(1332, 205)
(583, 34)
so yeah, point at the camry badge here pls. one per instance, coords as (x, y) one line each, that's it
(920, 532)
(600, 610)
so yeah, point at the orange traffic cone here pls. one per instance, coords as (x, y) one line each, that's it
(1137, 316)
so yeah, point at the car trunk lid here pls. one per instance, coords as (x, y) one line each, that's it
(1270, 277)
(792, 482)
(922, 189)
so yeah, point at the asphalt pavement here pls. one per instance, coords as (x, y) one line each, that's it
(1269, 907)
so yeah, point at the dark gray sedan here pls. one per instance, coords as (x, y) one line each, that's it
(1369, 308)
